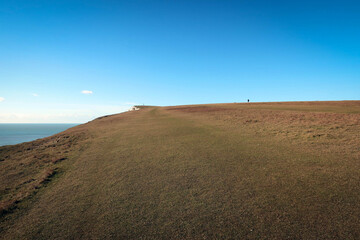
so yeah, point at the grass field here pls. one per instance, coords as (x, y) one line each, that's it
(219, 171)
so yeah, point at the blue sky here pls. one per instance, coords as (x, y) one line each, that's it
(171, 53)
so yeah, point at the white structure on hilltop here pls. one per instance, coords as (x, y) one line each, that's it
(134, 108)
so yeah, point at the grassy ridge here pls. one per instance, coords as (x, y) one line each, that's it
(288, 170)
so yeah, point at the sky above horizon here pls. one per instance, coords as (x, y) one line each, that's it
(72, 61)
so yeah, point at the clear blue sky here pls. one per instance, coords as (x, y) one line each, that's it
(170, 53)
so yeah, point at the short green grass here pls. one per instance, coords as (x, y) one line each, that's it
(203, 172)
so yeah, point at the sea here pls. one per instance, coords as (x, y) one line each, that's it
(14, 133)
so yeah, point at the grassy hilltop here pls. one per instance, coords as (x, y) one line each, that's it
(239, 170)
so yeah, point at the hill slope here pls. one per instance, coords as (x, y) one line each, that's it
(258, 170)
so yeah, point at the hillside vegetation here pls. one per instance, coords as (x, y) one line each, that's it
(220, 171)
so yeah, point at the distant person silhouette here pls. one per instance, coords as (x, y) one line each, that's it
(248, 100)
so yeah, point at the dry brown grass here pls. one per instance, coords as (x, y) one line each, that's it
(26, 167)
(316, 126)
(228, 171)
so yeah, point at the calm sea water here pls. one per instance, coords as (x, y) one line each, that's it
(13, 133)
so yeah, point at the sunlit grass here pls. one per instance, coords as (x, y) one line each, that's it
(248, 171)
